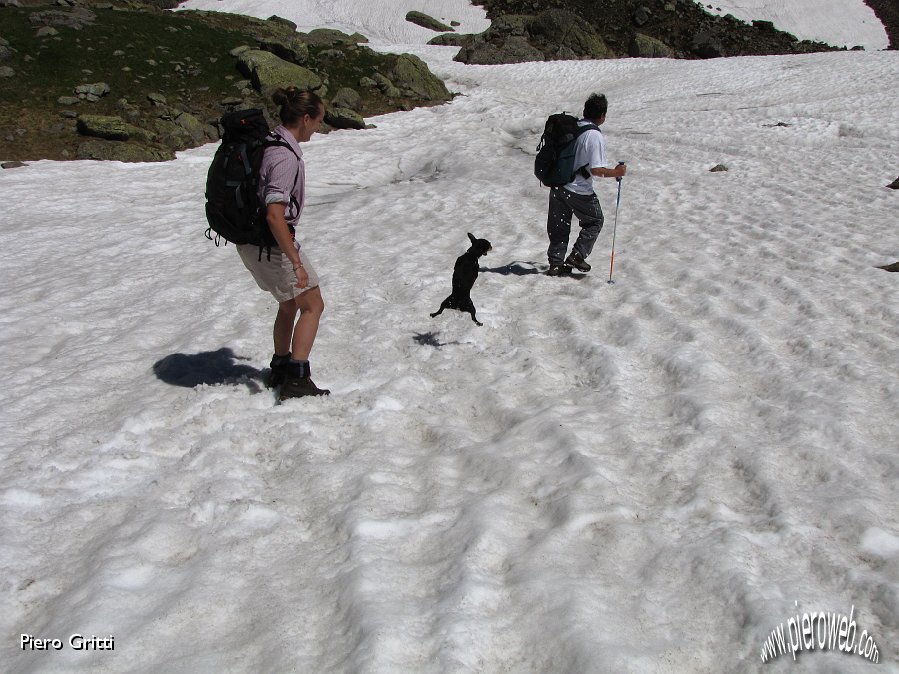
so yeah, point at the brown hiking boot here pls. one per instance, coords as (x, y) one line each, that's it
(299, 384)
(577, 261)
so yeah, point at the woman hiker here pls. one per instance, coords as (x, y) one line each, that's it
(285, 270)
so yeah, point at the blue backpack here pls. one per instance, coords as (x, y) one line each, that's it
(554, 164)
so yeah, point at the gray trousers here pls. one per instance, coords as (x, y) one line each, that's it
(562, 205)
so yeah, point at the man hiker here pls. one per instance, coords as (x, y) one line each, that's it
(577, 197)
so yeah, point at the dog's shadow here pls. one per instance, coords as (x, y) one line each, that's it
(208, 367)
(430, 339)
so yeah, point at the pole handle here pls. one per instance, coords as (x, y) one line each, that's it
(621, 163)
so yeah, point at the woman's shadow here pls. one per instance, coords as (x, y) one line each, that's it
(209, 367)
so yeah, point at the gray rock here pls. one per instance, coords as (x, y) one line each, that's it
(425, 21)
(46, 31)
(410, 74)
(157, 99)
(718, 168)
(643, 46)
(894, 185)
(274, 18)
(344, 118)
(386, 86)
(124, 152)
(194, 128)
(291, 48)
(68, 100)
(12, 164)
(449, 40)
(6, 52)
(6, 71)
(268, 72)
(110, 127)
(347, 98)
(92, 92)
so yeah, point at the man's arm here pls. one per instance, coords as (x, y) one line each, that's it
(603, 172)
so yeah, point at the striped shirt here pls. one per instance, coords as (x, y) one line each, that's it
(282, 176)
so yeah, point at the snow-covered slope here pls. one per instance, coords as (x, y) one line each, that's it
(382, 22)
(838, 22)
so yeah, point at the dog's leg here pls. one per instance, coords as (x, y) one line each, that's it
(443, 305)
(469, 307)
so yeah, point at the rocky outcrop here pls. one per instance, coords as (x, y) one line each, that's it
(618, 28)
(552, 34)
(184, 70)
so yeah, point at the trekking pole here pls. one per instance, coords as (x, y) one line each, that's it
(615, 227)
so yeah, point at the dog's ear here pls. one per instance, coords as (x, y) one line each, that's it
(471, 237)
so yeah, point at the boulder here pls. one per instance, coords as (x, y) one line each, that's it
(268, 72)
(411, 75)
(192, 126)
(6, 71)
(449, 40)
(429, 22)
(643, 46)
(386, 86)
(92, 92)
(347, 98)
(110, 127)
(291, 48)
(344, 118)
(125, 152)
(281, 21)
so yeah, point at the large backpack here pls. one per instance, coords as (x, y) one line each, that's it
(554, 164)
(232, 205)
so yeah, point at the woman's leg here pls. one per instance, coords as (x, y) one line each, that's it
(310, 305)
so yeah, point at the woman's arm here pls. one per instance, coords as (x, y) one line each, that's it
(277, 223)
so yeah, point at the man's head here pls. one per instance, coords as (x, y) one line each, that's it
(596, 107)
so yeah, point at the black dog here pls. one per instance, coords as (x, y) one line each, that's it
(464, 274)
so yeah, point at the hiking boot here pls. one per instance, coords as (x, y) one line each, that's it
(278, 373)
(299, 384)
(558, 270)
(577, 261)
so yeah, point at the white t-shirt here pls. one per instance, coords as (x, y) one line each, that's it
(589, 149)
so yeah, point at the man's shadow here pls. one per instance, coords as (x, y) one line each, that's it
(519, 268)
(209, 367)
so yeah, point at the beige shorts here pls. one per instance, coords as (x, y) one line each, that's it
(276, 275)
